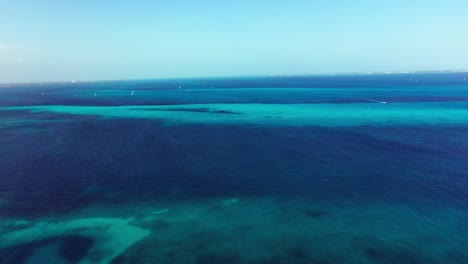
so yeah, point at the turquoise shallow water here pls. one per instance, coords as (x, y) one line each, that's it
(338, 169)
(373, 113)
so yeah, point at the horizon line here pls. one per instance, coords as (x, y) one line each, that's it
(239, 76)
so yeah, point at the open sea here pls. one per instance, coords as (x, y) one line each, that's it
(254, 170)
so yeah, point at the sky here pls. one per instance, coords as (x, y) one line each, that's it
(52, 40)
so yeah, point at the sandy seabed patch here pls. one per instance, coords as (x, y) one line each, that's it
(111, 236)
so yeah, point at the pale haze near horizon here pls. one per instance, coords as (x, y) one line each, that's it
(101, 40)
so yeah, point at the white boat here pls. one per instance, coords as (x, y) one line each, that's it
(376, 101)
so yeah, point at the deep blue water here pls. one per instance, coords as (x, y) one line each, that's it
(61, 164)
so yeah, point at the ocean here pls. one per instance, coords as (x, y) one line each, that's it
(251, 170)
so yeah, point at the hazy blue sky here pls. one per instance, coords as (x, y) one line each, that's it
(89, 39)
